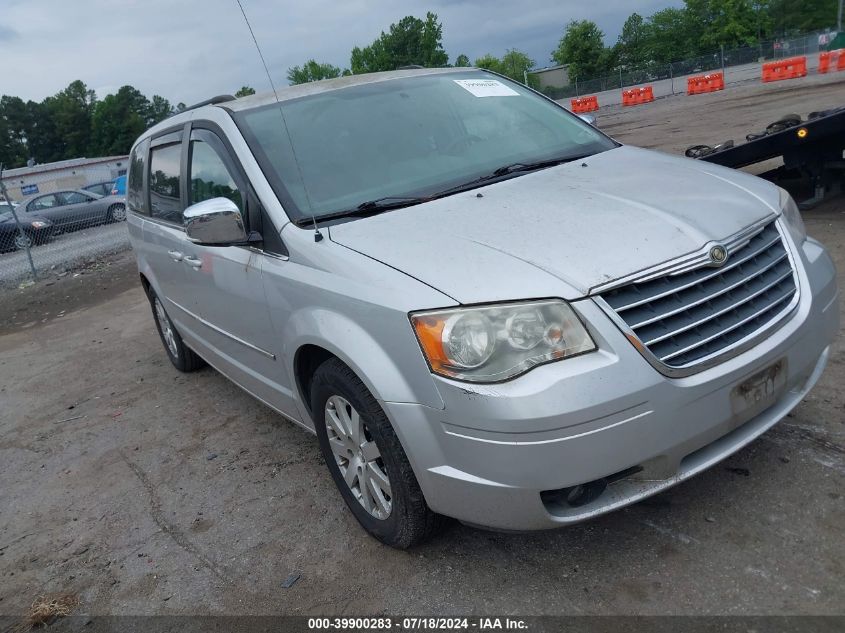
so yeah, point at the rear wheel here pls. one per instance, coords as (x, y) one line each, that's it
(117, 213)
(367, 461)
(182, 356)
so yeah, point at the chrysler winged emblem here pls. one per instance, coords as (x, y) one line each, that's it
(718, 255)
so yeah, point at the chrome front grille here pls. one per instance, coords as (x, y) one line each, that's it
(684, 318)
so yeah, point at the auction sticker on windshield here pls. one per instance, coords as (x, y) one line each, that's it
(486, 88)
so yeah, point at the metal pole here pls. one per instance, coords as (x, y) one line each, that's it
(672, 78)
(525, 76)
(18, 223)
(620, 78)
(576, 87)
(722, 52)
(839, 18)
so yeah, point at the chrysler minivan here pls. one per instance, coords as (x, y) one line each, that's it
(484, 307)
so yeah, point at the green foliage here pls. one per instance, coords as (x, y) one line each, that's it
(728, 23)
(582, 48)
(245, 91)
(462, 61)
(513, 64)
(409, 42)
(312, 71)
(73, 124)
(789, 17)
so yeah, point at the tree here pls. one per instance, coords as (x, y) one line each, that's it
(409, 42)
(489, 62)
(158, 110)
(462, 61)
(245, 91)
(726, 23)
(674, 36)
(119, 119)
(515, 64)
(312, 71)
(787, 17)
(582, 48)
(633, 46)
(70, 112)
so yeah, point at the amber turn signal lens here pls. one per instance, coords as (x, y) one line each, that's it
(429, 331)
(803, 132)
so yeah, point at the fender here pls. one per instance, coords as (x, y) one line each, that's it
(396, 375)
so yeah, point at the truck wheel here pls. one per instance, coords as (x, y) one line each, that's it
(183, 357)
(367, 461)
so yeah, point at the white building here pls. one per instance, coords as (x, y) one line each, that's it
(64, 174)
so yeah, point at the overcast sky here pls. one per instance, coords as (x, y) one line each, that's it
(188, 50)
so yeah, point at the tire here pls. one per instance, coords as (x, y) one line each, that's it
(117, 213)
(22, 242)
(409, 520)
(183, 357)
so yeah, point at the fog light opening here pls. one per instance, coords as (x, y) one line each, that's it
(582, 494)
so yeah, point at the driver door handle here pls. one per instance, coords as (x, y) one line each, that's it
(176, 256)
(194, 262)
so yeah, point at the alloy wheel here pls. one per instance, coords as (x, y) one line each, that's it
(358, 457)
(166, 326)
(23, 241)
(118, 213)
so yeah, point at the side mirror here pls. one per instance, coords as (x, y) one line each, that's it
(588, 118)
(215, 222)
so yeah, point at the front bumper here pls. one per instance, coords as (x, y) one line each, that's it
(487, 456)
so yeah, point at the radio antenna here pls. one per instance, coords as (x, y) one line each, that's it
(317, 235)
(258, 48)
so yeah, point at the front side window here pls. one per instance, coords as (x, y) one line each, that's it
(43, 203)
(412, 137)
(209, 176)
(165, 199)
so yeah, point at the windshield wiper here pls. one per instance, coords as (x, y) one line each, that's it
(541, 164)
(370, 207)
(506, 170)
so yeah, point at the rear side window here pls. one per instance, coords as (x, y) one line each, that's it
(135, 199)
(74, 197)
(165, 200)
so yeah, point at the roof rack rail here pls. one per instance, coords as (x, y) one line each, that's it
(212, 101)
(410, 67)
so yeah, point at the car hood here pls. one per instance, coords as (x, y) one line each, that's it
(565, 230)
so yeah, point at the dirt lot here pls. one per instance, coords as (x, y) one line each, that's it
(151, 492)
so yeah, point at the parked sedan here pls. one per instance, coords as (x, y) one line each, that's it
(75, 209)
(36, 230)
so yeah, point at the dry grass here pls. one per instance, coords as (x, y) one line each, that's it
(45, 609)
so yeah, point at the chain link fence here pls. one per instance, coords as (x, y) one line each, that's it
(55, 232)
(721, 60)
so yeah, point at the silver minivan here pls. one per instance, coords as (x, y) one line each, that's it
(484, 307)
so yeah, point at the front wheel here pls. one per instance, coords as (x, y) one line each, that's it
(23, 241)
(117, 213)
(366, 460)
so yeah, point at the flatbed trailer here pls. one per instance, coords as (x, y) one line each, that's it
(815, 148)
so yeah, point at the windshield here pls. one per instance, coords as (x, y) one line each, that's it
(408, 137)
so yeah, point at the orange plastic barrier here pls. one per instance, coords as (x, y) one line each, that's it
(585, 104)
(636, 96)
(705, 83)
(832, 60)
(785, 69)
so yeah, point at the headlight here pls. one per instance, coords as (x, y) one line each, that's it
(38, 224)
(494, 343)
(792, 217)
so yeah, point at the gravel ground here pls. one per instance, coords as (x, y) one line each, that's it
(150, 492)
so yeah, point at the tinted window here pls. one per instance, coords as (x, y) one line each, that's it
(209, 176)
(135, 199)
(43, 203)
(414, 136)
(165, 201)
